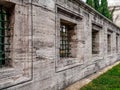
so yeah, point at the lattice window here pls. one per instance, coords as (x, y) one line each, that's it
(4, 37)
(67, 42)
(64, 42)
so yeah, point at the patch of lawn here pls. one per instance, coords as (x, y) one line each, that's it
(107, 81)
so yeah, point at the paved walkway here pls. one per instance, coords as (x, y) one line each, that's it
(81, 83)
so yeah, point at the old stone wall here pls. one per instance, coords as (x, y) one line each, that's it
(37, 64)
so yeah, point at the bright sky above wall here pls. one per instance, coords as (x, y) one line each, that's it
(111, 2)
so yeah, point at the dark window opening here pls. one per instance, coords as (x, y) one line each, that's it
(67, 42)
(109, 43)
(5, 34)
(95, 41)
(117, 43)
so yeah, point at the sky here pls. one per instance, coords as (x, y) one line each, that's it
(111, 2)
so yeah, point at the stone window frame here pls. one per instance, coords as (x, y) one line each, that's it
(70, 16)
(110, 33)
(99, 28)
(17, 71)
(7, 35)
(94, 42)
(117, 42)
(68, 39)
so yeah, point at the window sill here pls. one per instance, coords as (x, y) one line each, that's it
(9, 77)
(5, 72)
(6, 69)
(67, 63)
(58, 69)
(11, 82)
(118, 53)
(109, 55)
(97, 57)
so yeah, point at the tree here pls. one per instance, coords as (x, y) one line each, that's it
(102, 8)
(105, 10)
(90, 2)
(97, 5)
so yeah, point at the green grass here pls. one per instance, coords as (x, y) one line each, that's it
(107, 81)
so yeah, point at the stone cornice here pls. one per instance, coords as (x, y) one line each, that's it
(92, 10)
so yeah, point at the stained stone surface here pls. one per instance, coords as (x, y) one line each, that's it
(36, 41)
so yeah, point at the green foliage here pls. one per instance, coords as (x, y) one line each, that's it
(90, 2)
(108, 81)
(96, 5)
(105, 10)
(102, 8)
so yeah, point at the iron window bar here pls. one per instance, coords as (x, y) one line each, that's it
(3, 42)
(64, 42)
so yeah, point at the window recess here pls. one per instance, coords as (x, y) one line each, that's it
(67, 39)
(5, 35)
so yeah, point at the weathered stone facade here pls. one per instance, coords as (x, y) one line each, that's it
(36, 61)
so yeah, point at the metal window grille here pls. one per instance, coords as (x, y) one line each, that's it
(64, 42)
(4, 36)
